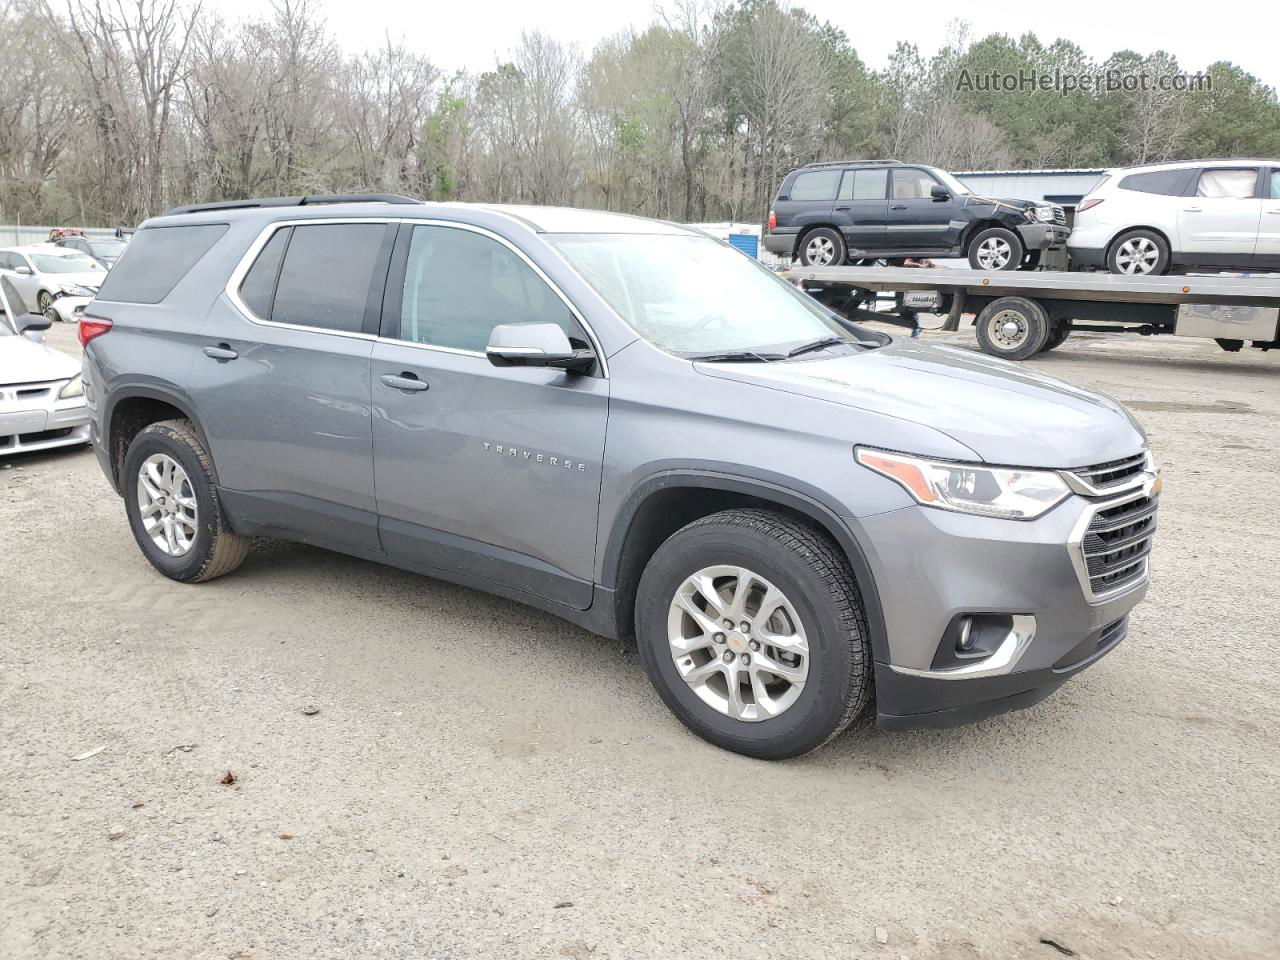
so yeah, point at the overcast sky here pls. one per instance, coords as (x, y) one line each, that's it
(472, 35)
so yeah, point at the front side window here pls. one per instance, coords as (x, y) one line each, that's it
(1233, 184)
(819, 185)
(694, 296)
(863, 184)
(459, 285)
(326, 275)
(912, 185)
(1275, 184)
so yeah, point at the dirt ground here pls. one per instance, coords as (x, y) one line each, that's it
(482, 780)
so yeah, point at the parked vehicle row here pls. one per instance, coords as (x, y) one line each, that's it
(429, 386)
(52, 280)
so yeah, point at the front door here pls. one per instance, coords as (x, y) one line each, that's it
(1219, 224)
(917, 219)
(281, 382)
(860, 208)
(489, 472)
(1267, 255)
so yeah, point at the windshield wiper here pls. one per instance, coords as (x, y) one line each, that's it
(740, 356)
(821, 344)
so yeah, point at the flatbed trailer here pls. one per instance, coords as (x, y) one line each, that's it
(1021, 313)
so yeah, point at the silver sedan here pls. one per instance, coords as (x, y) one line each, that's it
(41, 395)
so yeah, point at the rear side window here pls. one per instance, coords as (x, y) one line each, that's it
(157, 258)
(326, 275)
(1167, 183)
(863, 184)
(259, 286)
(819, 185)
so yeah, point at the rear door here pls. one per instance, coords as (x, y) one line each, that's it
(1219, 224)
(490, 472)
(860, 208)
(281, 380)
(1267, 254)
(807, 200)
(916, 219)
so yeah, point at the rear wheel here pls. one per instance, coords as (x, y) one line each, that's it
(822, 247)
(995, 248)
(751, 628)
(173, 508)
(1139, 253)
(1013, 328)
(1061, 330)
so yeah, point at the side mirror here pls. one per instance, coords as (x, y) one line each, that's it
(29, 322)
(940, 193)
(23, 270)
(535, 345)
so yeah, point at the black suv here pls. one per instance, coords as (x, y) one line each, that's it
(827, 214)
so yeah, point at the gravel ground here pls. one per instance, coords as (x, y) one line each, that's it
(482, 780)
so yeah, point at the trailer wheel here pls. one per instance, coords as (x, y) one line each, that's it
(1061, 330)
(1013, 328)
(995, 249)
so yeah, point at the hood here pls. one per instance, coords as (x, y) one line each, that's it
(93, 279)
(25, 361)
(1004, 413)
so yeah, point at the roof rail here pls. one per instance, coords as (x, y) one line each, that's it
(847, 163)
(307, 201)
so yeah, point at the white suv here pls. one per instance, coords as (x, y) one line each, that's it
(1220, 214)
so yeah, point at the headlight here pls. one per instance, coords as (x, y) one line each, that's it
(968, 488)
(77, 290)
(74, 388)
(1045, 214)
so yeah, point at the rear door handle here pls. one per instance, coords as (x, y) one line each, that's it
(898, 206)
(221, 352)
(1191, 209)
(407, 382)
(842, 208)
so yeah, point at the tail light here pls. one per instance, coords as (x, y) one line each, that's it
(91, 327)
(773, 220)
(1089, 204)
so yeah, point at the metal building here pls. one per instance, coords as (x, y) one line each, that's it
(1063, 187)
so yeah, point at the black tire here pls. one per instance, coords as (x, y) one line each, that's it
(1139, 243)
(822, 238)
(1061, 330)
(1006, 242)
(815, 578)
(1031, 333)
(52, 315)
(215, 550)
(44, 300)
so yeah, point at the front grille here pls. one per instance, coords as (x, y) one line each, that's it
(1116, 544)
(1059, 215)
(1103, 476)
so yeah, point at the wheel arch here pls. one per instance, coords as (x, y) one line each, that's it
(808, 228)
(665, 502)
(131, 409)
(976, 227)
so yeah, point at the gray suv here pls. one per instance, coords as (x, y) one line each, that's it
(635, 427)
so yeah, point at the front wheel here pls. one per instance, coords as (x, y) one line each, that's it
(995, 249)
(822, 247)
(752, 630)
(1013, 328)
(173, 507)
(44, 300)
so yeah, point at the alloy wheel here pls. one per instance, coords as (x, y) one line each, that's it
(1137, 255)
(167, 504)
(994, 253)
(820, 251)
(738, 642)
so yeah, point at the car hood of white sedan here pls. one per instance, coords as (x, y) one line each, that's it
(25, 361)
(91, 278)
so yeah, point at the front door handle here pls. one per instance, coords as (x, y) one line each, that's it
(221, 352)
(898, 206)
(407, 382)
(842, 208)
(1191, 209)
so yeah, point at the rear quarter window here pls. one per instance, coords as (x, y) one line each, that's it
(156, 259)
(1166, 183)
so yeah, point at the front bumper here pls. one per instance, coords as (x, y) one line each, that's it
(69, 309)
(41, 422)
(1043, 236)
(933, 566)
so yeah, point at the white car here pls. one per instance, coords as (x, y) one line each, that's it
(1192, 214)
(48, 276)
(41, 395)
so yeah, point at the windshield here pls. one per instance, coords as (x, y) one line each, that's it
(65, 263)
(951, 183)
(694, 296)
(107, 248)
